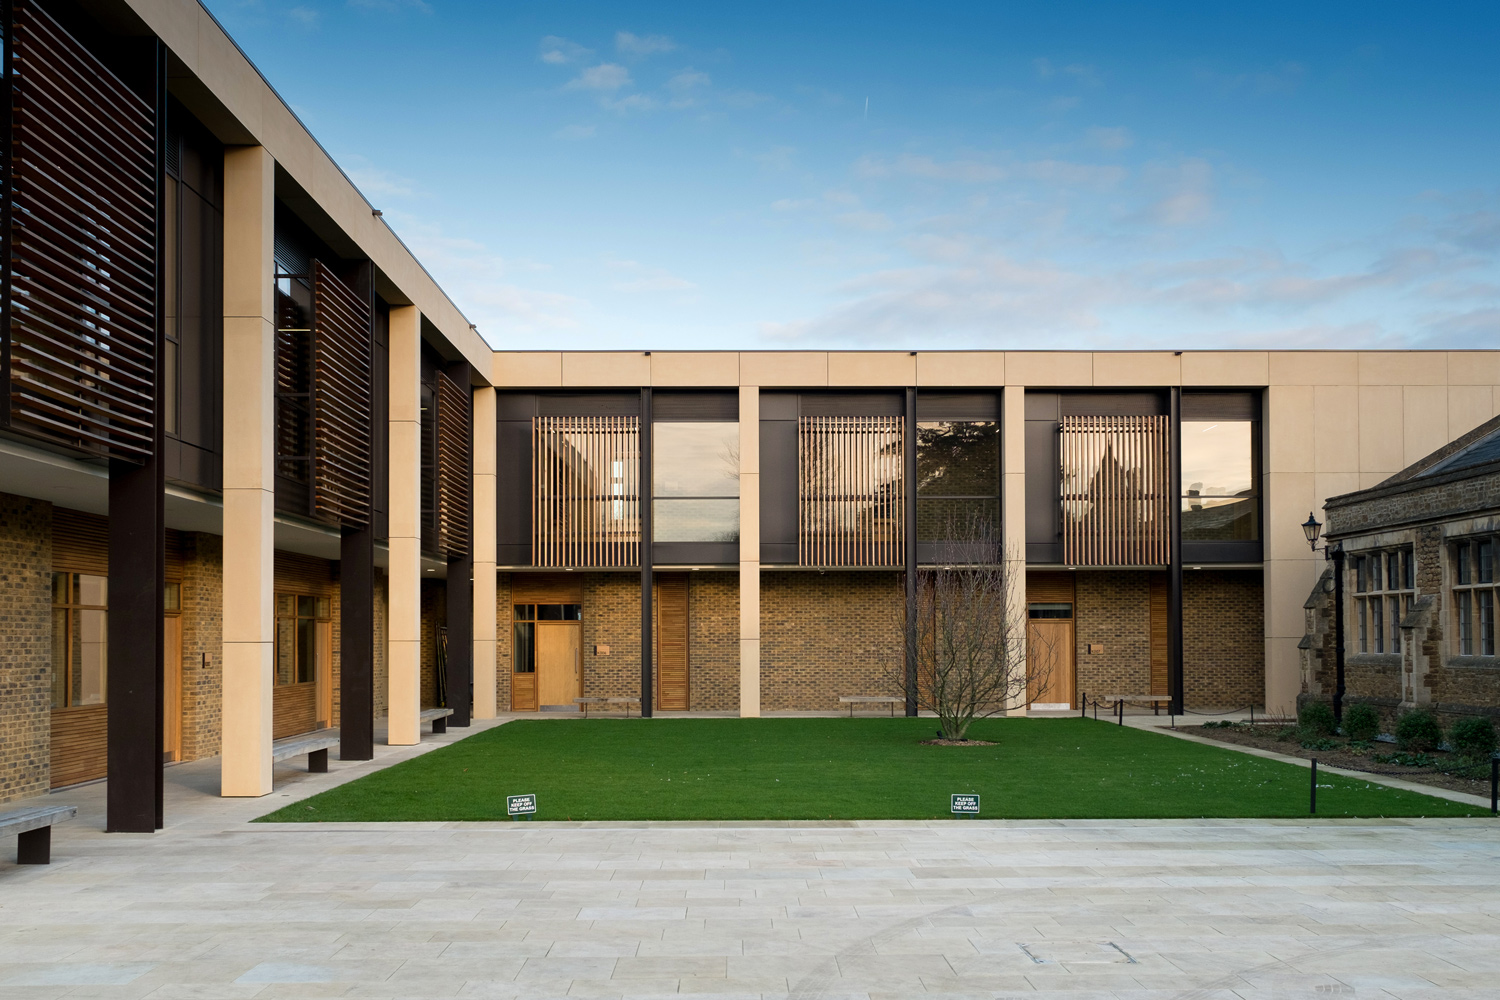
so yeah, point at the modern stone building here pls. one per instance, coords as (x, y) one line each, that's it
(259, 476)
(1420, 565)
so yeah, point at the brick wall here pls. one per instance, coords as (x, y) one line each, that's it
(25, 647)
(382, 677)
(503, 635)
(827, 634)
(714, 642)
(434, 617)
(202, 646)
(1112, 608)
(612, 617)
(1223, 639)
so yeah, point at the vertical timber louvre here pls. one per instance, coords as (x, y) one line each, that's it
(851, 491)
(586, 491)
(1115, 493)
(80, 278)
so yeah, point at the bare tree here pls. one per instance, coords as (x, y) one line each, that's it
(967, 637)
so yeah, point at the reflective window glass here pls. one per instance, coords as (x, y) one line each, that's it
(1049, 611)
(958, 479)
(705, 520)
(524, 648)
(700, 459)
(1218, 481)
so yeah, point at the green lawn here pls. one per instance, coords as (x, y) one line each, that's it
(728, 769)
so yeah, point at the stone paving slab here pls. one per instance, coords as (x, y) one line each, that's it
(217, 907)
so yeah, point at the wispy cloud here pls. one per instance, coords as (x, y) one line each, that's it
(557, 51)
(605, 76)
(1187, 194)
(642, 45)
(1111, 139)
(575, 132)
(374, 182)
(392, 6)
(633, 277)
(967, 171)
(306, 17)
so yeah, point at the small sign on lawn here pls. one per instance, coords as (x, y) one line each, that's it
(520, 805)
(965, 805)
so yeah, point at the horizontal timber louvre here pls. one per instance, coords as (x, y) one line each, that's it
(586, 490)
(1114, 491)
(324, 372)
(453, 479)
(80, 282)
(851, 497)
(341, 417)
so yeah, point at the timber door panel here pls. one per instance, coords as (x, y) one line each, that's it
(672, 642)
(1050, 651)
(559, 667)
(171, 711)
(1158, 633)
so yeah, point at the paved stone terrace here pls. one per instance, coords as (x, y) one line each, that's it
(216, 907)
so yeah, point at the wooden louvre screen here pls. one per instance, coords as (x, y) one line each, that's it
(80, 542)
(453, 479)
(672, 641)
(1114, 490)
(80, 348)
(851, 491)
(586, 490)
(341, 417)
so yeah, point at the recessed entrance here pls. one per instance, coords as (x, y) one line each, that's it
(1049, 641)
(546, 643)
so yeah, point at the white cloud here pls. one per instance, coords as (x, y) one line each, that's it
(561, 52)
(792, 204)
(605, 76)
(304, 16)
(374, 182)
(634, 277)
(1111, 139)
(630, 102)
(687, 80)
(966, 171)
(864, 221)
(1188, 194)
(643, 45)
(574, 132)
(777, 157)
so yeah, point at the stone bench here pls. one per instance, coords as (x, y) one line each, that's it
(32, 828)
(870, 699)
(315, 745)
(585, 703)
(438, 717)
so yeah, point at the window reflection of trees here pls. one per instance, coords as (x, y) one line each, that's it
(1219, 501)
(958, 477)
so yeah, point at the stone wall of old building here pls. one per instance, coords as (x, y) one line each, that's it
(828, 634)
(1223, 639)
(25, 646)
(1112, 609)
(202, 645)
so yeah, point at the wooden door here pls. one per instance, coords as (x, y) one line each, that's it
(672, 642)
(171, 709)
(559, 662)
(1158, 633)
(324, 675)
(1049, 663)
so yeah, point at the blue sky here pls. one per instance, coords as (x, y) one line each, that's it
(650, 175)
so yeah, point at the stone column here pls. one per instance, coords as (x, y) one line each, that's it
(404, 581)
(1013, 502)
(249, 468)
(750, 551)
(485, 681)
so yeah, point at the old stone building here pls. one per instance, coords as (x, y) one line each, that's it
(1420, 553)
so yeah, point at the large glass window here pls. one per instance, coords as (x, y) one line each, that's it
(297, 618)
(696, 481)
(1384, 586)
(80, 639)
(1219, 494)
(958, 479)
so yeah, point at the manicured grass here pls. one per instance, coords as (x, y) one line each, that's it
(731, 769)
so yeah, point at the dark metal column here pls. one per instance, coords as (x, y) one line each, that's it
(1336, 553)
(137, 579)
(909, 538)
(357, 591)
(460, 584)
(1174, 559)
(648, 644)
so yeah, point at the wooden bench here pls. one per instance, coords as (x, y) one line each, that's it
(315, 745)
(869, 699)
(32, 827)
(1156, 701)
(438, 717)
(586, 703)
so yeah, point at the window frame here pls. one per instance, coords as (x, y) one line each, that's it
(1379, 607)
(71, 608)
(1472, 583)
(322, 613)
